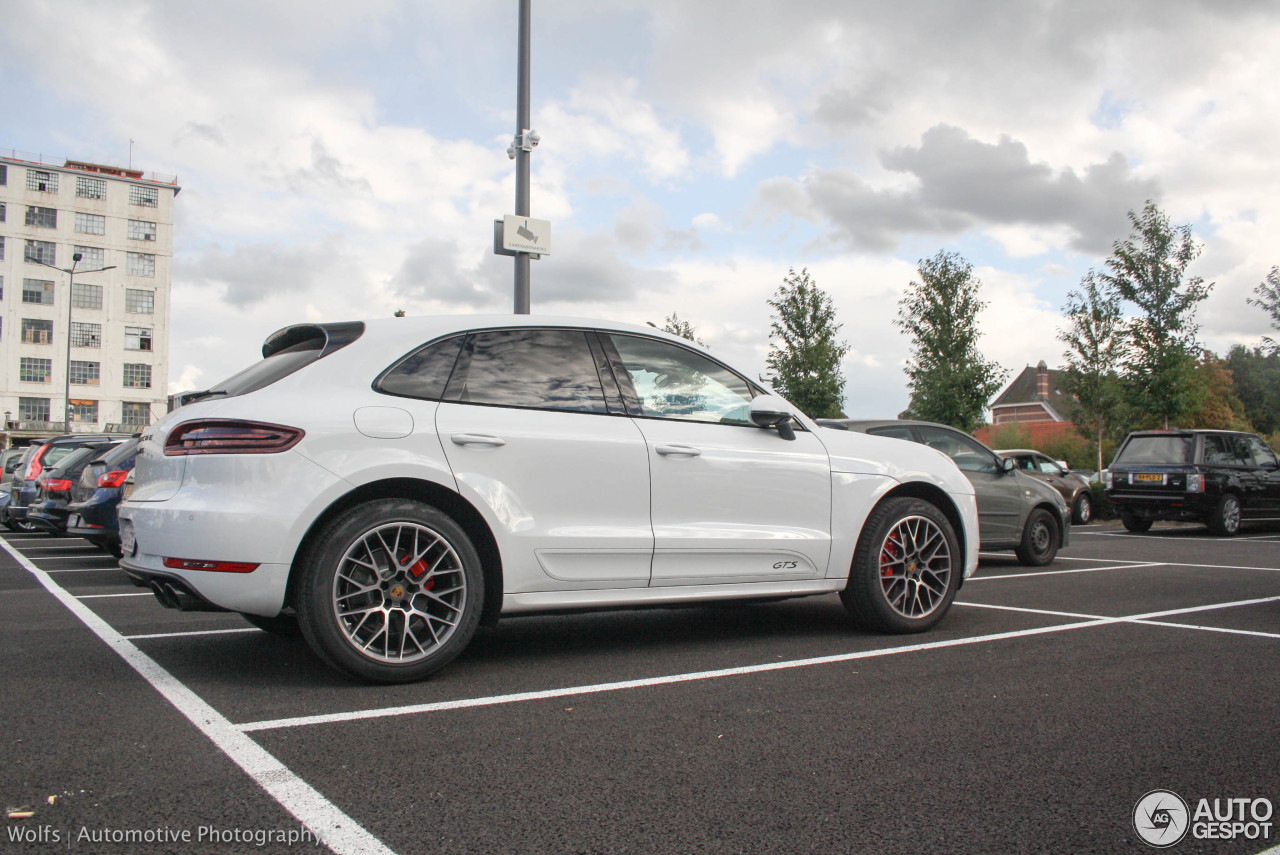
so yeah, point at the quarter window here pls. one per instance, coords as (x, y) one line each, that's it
(423, 374)
(674, 383)
(535, 368)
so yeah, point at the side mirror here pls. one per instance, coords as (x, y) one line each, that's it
(1008, 464)
(770, 411)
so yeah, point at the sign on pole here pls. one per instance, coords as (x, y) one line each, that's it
(525, 234)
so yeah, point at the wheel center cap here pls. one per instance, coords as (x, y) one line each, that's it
(397, 591)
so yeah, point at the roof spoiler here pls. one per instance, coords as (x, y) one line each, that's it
(334, 337)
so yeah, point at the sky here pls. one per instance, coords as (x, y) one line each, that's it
(346, 160)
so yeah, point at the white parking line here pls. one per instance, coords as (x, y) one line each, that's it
(85, 547)
(1061, 572)
(105, 596)
(194, 632)
(1149, 619)
(329, 823)
(494, 700)
(85, 569)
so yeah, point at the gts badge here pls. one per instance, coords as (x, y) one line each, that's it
(784, 565)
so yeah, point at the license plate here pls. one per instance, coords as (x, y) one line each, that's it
(127, 543)
(1149, 477)
(128, 489)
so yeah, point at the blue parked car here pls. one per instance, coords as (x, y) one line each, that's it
(96, 496)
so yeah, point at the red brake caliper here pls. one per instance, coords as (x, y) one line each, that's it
(418, 569)
(887, 556)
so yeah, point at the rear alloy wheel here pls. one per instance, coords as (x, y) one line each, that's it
(1082, 512)
(1225, 519)
(906, 570)
(391, 592)
(1040, 539)
(1135, 524)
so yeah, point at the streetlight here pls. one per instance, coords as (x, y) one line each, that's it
(71, 287)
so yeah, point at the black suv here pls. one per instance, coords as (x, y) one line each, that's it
(1220, 478)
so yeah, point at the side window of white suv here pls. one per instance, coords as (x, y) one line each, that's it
(541, 369)
(674, 383)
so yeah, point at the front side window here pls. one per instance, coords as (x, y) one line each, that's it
(85, 373)
(135, 413)
(91, 224)
(534, 368)
(39, 179)
(142, 230)
(91, 188)
(1261, 453)
(32, 370)
(968, 454)
(140, 264)
(86, 335)
(37, 331)
(33, 409)
(85, 412)
(44, 218)
(86, 296)
(41, 252)
(38, 291)
(137, 376)
(146, 196)
(674, 383)
(139, 302)
(137, 338)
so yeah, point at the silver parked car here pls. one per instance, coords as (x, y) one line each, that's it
(1015, 510)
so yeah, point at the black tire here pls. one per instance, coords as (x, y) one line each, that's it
(1040, 539)
(282, 624)
(1135, 524)
(1082, 511)
(22, 526)
(400, 598)
(1225, 519)
(914, 600)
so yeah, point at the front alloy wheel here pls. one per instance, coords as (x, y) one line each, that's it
(906, 570)
(394, 592)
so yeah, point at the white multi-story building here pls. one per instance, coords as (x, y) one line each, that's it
(107, 333)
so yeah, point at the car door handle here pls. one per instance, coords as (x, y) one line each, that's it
(476, 439)
(677, 450)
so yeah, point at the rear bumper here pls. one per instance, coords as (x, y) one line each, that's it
(1167, 506)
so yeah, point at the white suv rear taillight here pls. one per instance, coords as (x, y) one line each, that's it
(229, 436)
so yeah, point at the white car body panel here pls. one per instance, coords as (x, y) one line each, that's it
(604, 522)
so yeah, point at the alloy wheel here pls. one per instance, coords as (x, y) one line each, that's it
(915, 567)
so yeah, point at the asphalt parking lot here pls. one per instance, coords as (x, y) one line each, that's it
(1034, 719)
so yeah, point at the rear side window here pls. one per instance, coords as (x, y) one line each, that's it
(893, 433)
(531, 368)
(1219, 450)
(423, 374)
(1141, 450)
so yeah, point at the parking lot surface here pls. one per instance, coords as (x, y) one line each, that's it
(1033, 719)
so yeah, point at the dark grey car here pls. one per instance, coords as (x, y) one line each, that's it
(1015, 511)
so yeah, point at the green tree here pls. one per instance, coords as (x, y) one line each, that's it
(1220, 408)
(950, 381)
(1095, 348)
(804, 354)
(1268, 300)
(1256, 374)
(684, 329)
(1147, 269)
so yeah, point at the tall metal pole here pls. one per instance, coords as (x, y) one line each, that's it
(71, 291)
(522, 156)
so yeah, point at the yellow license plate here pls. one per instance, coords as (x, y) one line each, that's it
(1149, 476)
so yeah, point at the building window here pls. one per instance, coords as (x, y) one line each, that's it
(4, 175)
(33, 409)
(139, 302)
(142, 230)
(92, 256)
(1, 282)
(85, 296)
(140, 264)
(45, 218)
(2, 210)
(36, 331)
(1, 249)
(148, 196)
(133, 413)
(45, 182)
(86, 335)
(85, 373)
(91, 188)
(137, 338)
(41, 252)
(91, 224)
(84, 411)
(31, 370)
(38, 291)
(137, 375)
